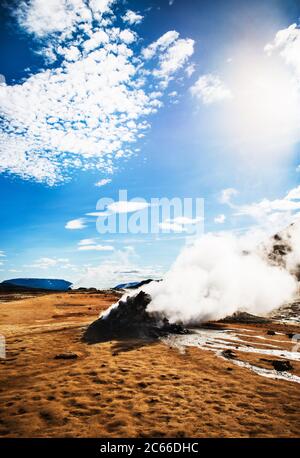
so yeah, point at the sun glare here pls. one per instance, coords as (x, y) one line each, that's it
(264, 113)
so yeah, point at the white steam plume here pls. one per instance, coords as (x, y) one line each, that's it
(216, 277)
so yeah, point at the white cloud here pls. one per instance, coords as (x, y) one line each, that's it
(190, 70)
(293, 194)
(97, 65)
(273, 215)
(220, 219)
(179, 223)
(97, 38)
(103, 182)
(85, 242)
(184, 220)
(98, 214)
(174, 58)
(131, 17)
(124, 206)
(96, 248)
(2, 253)
(76, 224)
(161, 44)
(287, 43)
(121, 267)
(48, 263)
(127, 36)
(92, 245)
(210, 89)
(227, 194)
(42, 18)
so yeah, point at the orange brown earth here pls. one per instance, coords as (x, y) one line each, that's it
(130, 388)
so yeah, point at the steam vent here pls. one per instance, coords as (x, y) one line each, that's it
(130, 319)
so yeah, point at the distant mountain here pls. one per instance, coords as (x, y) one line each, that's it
(47, 284)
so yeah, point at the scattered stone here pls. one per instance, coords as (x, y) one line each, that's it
(282, 366)
(228, 354)
(271, 333)
(68, 355)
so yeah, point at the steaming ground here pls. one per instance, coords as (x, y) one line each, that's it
(134, 388)
(218, 275)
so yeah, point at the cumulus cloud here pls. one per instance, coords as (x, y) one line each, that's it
(287, 43)
(227, 194)
(85, 242)
(92, 60)
(47, 263)
(220, 219)
(210, 89)
(121, 267)
(132, 17)
(76, 224)
(92, 247)
(293, 194)
(171, 54)
(179, 223)
(273, 215)
(103, 182)
(189, 70)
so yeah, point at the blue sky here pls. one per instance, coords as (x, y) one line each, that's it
(163, 99)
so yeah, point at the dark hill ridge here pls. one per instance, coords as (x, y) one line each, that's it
(27, 284)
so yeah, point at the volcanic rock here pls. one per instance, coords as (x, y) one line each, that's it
(228, 354)
(290, 335)
(282, 365)
(130, 319)
(244, 317)
(68, 355)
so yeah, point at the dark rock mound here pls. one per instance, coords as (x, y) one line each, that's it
(280, 366)
(244, 317)
(229, 354)
(130, 319)
(69, 355)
